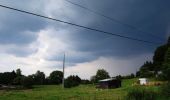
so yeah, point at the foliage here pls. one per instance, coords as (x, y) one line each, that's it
(150, 69)
(93, 79)
(56, 77)
(17, 80)
(102, 74)
(72, 81)
(18, 72)
(166, 90)
(7, 77)
(85, 81)
(147, 70)
(39, 78)
(159, 55)
(141, 94)
(27, 82)
(166, 65)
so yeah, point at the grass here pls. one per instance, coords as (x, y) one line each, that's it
(82, 92)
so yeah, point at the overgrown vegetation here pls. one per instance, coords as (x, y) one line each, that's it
(166, 90)
(138, 93)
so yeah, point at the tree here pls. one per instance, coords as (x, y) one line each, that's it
(27, 82)
(138, 74)
(72, 81)
(101, 74)
(159, 55)
(7, 77)
(18, 78)
(166, 65)
(56, 77)
(18, 72)
(147, 69)
(39, 78)
(93, 79)
(168, 42)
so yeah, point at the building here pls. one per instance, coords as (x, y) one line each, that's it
(143, 81)
(109, 83)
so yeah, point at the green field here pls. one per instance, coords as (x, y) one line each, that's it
(55, 92)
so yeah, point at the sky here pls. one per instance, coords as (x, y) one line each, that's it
(32, 43)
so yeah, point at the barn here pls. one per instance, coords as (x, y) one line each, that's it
(109, 83)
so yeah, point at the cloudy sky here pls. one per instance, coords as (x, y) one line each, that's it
(32, 43)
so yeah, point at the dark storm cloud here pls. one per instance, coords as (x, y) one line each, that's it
(152, 16)
(14, 28)
(149, 16)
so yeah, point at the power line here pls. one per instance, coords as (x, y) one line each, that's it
(112, 19)
(88, 28)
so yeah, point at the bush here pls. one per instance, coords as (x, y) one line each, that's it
(141, 94)
(27, 82)
(17, 80)
(56, 77)
(85, 82)
(72, 81)
(166, 90)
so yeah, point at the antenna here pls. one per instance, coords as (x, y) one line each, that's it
(63, 68)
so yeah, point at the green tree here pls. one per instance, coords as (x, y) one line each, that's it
(159, 55)
(168, 42)
(93, 79)
(56, 77)
(39, 78)
(19, 72)
(147, 69)
(7, 77)
(72, 81)
(27, 82)
(18, 78)
(102, 74)
(166, 65)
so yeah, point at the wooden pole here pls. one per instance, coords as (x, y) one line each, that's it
(63, 69)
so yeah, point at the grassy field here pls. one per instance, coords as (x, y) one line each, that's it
(82, 92)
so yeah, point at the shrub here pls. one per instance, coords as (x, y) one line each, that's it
(166, 90)
(27, 82)
(72, 81)
(17, 80)
(141, 94)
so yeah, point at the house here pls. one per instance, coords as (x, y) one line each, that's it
(109, 83)
(143, 81)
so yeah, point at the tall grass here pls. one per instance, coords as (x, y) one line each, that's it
(166, 90)
(138, 93)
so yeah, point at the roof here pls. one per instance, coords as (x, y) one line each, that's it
(109, 79)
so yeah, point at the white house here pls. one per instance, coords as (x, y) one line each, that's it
(143, 81)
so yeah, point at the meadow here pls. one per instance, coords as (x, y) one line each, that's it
(82, 92)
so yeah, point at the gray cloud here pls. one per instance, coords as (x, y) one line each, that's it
(42, 42)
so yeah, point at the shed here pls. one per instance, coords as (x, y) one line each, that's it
(143, 81)
(109, 83)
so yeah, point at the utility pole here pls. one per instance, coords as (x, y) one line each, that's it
(63, 68)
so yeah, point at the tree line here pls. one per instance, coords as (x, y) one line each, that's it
(160, 66)
(16, 78)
